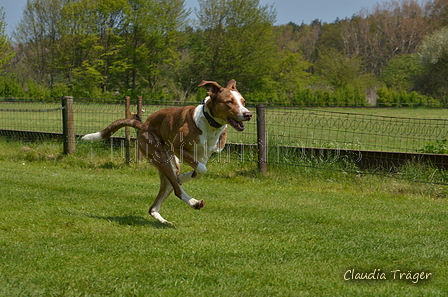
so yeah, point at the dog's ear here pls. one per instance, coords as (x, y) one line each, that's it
(231, 85)
(212, 87)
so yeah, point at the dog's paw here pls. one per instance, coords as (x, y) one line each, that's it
(200, 204)
(201, 169)
(158, 217)
(171, 224)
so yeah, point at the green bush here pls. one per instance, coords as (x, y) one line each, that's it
(10, 86)
(391, 98)
(37, 91)
(13, 86)
(346, 96)
(439, 147)
(59, 90)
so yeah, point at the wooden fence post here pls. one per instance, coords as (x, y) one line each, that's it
(128, 130)
(68, 125)
(140, 114)
(262, 141)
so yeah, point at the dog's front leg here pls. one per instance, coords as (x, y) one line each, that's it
(195, 174)
(199, 168)
(192, 153)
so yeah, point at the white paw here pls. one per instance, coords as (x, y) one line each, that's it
(158, 217)
(201, 169)
(196, 204)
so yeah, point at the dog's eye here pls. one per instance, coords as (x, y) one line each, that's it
(230, 102)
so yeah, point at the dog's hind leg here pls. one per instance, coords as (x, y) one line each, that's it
(165, 190)
(172, 176)
(154, 150)
(166, 162)
(170, 173)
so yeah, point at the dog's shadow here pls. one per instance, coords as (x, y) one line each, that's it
(131, 220)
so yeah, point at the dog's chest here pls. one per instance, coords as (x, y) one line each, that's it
(208, 141)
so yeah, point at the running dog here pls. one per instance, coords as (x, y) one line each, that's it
(188, 134)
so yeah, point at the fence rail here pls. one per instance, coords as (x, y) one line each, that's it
(292, 136)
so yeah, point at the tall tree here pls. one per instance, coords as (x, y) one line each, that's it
(434, 58)
(110, 23)
(150, 37)
(91, 43)
(331, 36)
(389, 29)
(439, 12)
(6, 52)
(401, 72)
(291, 72)
(239, 40)
(79, 55)
(339, 70)
(99, 44)
(36, 36)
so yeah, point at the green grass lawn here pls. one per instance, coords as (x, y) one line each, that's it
(77, 226)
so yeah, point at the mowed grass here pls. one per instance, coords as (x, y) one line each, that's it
(73, 226)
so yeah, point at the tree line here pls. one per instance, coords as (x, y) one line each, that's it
(397, 50)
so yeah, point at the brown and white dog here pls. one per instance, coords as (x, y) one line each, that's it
(190, 134)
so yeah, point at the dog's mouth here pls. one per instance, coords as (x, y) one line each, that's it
(238, 126)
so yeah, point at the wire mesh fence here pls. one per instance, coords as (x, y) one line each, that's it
(23, 115)
(353, 141)
(327, 129)
(350, 141)
(320, 138)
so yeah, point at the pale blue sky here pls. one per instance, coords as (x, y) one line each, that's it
(296, 11)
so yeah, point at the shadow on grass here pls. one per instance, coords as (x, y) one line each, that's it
(132, 221)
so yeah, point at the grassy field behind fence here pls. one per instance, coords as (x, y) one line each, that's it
(398, 130)
(326, 128)
(76, 226)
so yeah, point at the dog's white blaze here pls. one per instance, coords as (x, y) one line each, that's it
(92, 137)
(209, 139)
(197, 115)
(241, 108)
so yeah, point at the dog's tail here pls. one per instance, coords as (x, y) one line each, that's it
(114, 127)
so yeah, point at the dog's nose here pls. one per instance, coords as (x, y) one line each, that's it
(247, 115)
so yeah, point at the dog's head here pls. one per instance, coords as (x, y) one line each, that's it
(226, 105)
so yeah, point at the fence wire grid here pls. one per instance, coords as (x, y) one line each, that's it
(318, 138)
(327, 129)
